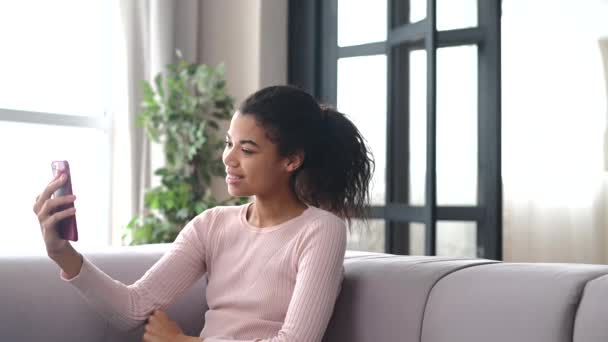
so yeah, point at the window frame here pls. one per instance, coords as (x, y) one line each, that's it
(312, 59)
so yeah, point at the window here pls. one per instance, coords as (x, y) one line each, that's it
(54, 105)
(421, 80)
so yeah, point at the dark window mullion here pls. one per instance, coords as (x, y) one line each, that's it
(398, 212)
(431, 153)
(389, 230)
(370, 49)
(489, 232)
(408, 34)
(329, 51)
(458, 37)
(457, 213)
(400, 138)
(303, 51)
(395, 213)
(402, 212)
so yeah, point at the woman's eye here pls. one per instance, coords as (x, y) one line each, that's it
(229, 145)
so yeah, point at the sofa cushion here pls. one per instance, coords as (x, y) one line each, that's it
(591, 323)
(383, 296)
(507, 302)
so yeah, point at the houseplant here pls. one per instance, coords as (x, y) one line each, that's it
(182, 110)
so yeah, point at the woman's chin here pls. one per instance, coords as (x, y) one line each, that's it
(237, 192)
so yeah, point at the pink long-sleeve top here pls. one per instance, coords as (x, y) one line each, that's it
(276, 283)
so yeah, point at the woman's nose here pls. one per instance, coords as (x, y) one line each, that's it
(229, 159)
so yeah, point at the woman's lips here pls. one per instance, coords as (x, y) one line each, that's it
(233, 179)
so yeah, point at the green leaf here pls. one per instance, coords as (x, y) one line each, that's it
(148, 92)
(161, 172)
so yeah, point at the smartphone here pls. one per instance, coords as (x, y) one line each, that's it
(66, 228)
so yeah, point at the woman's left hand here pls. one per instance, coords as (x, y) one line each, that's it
(161, 328)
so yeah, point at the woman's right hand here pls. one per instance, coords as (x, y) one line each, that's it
(45, 209)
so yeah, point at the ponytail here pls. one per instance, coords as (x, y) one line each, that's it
(338, 179)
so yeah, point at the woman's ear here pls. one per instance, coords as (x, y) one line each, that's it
(294, 161)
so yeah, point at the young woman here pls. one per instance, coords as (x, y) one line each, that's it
(275, 265)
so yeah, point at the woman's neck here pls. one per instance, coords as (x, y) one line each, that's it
(271, 212)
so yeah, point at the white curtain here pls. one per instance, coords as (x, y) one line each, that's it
(153, 31)
(554, 119)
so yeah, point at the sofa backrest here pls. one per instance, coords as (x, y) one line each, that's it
(383, 298)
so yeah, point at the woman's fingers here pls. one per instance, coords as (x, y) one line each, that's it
(36, 207)
(149, 337)
(160, 313)
(49, 190)
(58, 216)
(52, 204)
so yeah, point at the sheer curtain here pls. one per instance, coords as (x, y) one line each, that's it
(554, 119)
(153, 31)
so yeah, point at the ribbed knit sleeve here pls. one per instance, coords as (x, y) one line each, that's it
(320, 259)
(127, 307)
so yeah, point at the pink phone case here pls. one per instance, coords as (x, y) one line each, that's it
(67, 228)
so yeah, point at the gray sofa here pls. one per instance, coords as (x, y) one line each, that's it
(384, 298)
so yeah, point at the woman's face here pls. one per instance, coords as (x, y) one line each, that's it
(253, 165)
